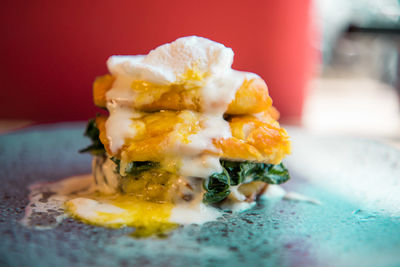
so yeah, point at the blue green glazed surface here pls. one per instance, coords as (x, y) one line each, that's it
(342, 231)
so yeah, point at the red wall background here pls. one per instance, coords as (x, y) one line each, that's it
(52, 50)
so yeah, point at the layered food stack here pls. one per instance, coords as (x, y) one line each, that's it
(184, 127)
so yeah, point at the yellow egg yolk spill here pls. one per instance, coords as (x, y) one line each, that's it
(115, 211)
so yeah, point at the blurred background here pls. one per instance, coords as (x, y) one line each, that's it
(331, 65)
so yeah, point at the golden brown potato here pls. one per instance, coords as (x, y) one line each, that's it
(261, 140)
(251, 97)
(100, 87)
(266, 137)
(101, 125)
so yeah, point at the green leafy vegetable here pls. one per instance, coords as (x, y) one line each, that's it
(135, 167)
(249, 171)
(235, 173)
(272, 174)
(217, 187)
(96, 148)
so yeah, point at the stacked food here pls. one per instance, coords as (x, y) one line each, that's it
(184, 127)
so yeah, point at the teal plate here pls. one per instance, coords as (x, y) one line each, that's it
(356, 224)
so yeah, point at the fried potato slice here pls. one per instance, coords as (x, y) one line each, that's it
(251, 97)
(255, 139)
(100, 87)
(263, 135)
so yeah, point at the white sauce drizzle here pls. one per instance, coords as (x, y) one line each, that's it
(185, 214)
(119, 125)
(237, 206)
(45, 209)
(202, 166)
(213, 127)
(276, 191)
(46, 204)
(299, 197)
(165, 65)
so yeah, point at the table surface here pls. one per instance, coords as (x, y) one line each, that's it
(354, 220)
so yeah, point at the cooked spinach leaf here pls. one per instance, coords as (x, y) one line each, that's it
(135, 167)
(96, 148)
(272, 174)
(235, 173)
(217, 187)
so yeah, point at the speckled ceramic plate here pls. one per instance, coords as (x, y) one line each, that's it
(356, 224)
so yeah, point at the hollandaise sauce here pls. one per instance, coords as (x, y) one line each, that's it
(78, 197)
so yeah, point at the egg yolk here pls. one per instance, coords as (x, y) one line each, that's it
(115, 211)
